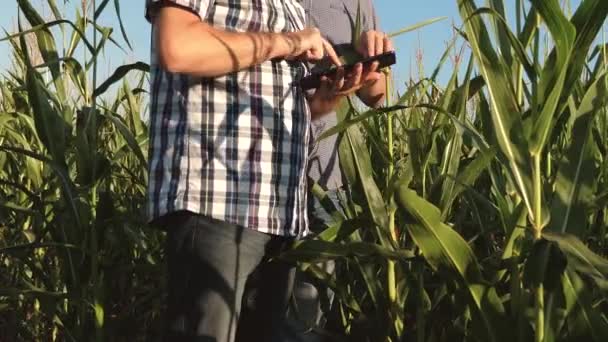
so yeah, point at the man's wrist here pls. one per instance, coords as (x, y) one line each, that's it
(281, 45)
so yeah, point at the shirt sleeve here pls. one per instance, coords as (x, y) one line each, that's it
(198, 7)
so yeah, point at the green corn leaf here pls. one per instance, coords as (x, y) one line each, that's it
(363, 165)
(440, 244)
(512, 42)
(87, 157)
(344, 125)
(118, 74)
(554, 74)
(15, 292)
(54, 9)
(77, 75)
(588, 21)
(467, 177)
(453, 150)
(526, 36)
(99, 314)
(463, 127)
(330, 207)
(416, 152)
(575, 177)
(127, 135)
(123, 97)
(79, 27)
(515, 230)
(449, 96)
(67, 186)
(447, 252)
(132, 110)
(347, 163)
(416, 26)
(356, 166)
(545, 264)
(411, 92)
(315, 251)
(375, 290)
(50, 125)
(449, 168)
(444, 58)
(584, 322)
(120, 23)
(501, 30)
(46, 43)
(504, 109)
(34, 167)
(18, 208)
(100, 8)
(106, 35)
(343, 230)
(581, 258)
(37, 245)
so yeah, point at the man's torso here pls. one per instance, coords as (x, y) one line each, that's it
(335, 19)
(233, 147)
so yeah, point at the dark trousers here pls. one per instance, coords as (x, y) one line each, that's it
(223, 284)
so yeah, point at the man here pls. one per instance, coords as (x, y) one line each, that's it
(228, 148)
(335, 19)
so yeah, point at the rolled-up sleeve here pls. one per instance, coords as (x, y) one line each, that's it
(198, 7)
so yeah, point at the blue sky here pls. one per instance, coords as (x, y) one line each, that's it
(394, 15)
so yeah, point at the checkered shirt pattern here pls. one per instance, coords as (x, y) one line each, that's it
(233, 147)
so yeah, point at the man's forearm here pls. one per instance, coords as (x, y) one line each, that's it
(195, 47)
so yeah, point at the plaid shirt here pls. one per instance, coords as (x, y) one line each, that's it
(233, 147)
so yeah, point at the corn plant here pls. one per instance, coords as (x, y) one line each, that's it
(78, 262)
(497, 184)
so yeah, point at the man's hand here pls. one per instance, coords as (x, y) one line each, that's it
(362, 79)
(310, 46)
(374, 43)
(368, 83)
(327, 96)
(332, 90)
(373, 89)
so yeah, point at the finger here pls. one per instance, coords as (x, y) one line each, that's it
(379, 42)
(354, 79)
(371, 44)
(362, 46)
(388, 44)
(331, 53)
(316, 52)
(338, 82)
(373, 67)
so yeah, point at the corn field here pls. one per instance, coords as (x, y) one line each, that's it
(477, 210)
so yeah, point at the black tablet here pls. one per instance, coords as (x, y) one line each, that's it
(313, 80)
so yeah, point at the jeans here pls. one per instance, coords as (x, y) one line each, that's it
(305, 312)
(221, 285)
